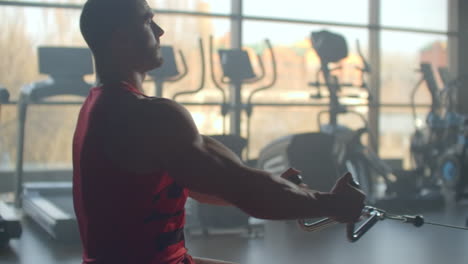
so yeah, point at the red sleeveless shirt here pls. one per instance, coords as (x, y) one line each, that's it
(123, 217)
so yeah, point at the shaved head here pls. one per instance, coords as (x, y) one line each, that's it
(122, 36)
(101, 18)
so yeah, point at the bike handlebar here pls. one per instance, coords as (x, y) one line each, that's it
(202, 74)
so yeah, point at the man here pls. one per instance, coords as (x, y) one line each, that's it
(137, 158)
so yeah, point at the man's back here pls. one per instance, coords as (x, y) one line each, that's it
(124, 216)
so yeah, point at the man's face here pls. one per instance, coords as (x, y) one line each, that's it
(144, 34)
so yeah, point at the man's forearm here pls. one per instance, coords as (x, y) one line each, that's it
(214, 171)
(208, 199)
(268, 197)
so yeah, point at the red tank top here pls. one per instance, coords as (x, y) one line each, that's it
(123, 217)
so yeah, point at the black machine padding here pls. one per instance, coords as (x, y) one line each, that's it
(311, 153)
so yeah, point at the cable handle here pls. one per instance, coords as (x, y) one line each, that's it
(373, 216)
(353, 234)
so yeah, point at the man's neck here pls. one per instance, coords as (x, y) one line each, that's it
(131, 77)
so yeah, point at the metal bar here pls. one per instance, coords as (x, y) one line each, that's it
(348, 25)
(452, 43)
(374, 80)
(251, 18)
(79, 7)
(415, 30)
(22, 115)
(272, 104)
(48, 103)
(462, 56)
(42, 5)
(235, 96)
(385, 105)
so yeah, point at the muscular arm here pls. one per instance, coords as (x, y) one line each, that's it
(203, 165)
(207, 199)
(211, 171)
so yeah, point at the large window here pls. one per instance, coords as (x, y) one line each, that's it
(49, 129)
(209, 6)
(331, 11)
(418, 14)
(402, 53)
(413, 32)
(297, 66)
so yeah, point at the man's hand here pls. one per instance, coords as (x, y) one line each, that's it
(349, 202)
(346, 202)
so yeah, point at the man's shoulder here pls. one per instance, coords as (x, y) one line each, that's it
(170, 110)
(154, 129)
(158, 102)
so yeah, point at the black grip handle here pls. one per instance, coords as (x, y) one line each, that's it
(353, 183)
(374, 216)
(296, 179)
(355, 234)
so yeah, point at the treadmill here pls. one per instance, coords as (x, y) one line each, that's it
(50, 203)
(10, 226)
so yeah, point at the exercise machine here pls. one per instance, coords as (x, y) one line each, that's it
(4, 95)
(337, 149)
(10, 225)
(457, 130)
(237, 71)
(169, 71)
(50, 204)
(369, 217)
(437, 149)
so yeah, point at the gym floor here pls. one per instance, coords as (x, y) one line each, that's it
(282, 242)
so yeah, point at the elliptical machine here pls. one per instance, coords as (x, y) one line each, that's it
(438, 149)
(355, 156)
(324, 156)
(169, 71)
(237, 70)
(4, 95)
(336, 149)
